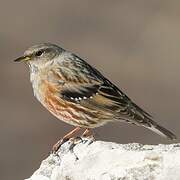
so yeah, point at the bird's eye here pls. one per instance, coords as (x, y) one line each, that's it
(39, 53)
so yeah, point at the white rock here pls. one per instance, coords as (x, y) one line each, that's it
(97, 160)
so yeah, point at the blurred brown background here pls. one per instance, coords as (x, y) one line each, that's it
(135, 43)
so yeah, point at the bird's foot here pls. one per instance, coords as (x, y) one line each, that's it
(73, 142)
(86, 136)
(58, 145)
(64, 139)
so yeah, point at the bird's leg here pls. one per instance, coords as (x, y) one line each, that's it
(87, 133)
(64, 139)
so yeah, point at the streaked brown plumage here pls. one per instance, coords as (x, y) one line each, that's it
(78, 94)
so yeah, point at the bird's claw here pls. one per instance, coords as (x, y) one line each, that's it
(56, 146)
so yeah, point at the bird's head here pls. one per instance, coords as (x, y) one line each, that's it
(41, 54)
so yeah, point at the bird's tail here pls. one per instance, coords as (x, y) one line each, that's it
(147, 121)
(153, 126)
(135, 115)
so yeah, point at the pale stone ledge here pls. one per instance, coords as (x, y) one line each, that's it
(98, 160)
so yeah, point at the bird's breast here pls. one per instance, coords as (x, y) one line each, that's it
(38, 85)
(49, 93)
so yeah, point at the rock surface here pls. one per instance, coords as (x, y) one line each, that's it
(97, 160)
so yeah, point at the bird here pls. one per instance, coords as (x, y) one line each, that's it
(78, 94)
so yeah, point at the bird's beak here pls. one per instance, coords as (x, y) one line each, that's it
(22, 59)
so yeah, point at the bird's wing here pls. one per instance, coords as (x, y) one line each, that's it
(105, 97)
(87, 86)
